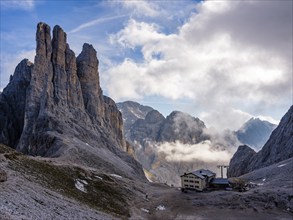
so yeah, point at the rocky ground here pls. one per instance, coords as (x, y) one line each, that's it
(172, 204)
(27, 195)
(271, 198)
(38, 188)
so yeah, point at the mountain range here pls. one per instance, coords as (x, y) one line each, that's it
(152, 135)
(254, 132)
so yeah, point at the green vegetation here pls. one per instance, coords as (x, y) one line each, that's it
(104, 194)
(5, 149)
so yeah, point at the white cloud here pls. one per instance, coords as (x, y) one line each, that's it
(225, 118)
(220, 59)
(136, 34)
(95, 22)
(142, 8)
(176, 152)
(19, 4)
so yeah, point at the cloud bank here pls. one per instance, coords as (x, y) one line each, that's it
(229, 55)
(204, 151)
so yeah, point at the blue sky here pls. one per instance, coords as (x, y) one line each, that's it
(221, 61)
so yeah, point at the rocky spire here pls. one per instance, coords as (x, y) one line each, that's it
(74, 92)
(87, 70)
(59, 47)
(63, 109)
(66, 86)
(43, 38)
(40, 85)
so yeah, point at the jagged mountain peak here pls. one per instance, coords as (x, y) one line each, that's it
(61, 110)
(179, 116)
(255, 132)
(154, 116)
(132, 111)
(21, 72)
(256, 122)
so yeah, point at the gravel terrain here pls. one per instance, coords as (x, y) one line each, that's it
(81, 194)
(24, 198)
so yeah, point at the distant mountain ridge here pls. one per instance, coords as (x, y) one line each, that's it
(132, 111)
(279, 147)
(177, 126)
(255, 132)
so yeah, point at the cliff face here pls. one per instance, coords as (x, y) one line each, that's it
(147, 129)
(240, 160)
(63, 110)
(279, 147)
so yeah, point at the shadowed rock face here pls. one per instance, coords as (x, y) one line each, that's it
(12, 104)
(147, 128)
(62, 110)
(238, 163)
(279, 147)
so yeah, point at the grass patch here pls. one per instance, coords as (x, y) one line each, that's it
(5, 149)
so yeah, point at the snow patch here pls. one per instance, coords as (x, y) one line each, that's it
(264, 179)
(161, 208)
(282, 165)
(145, 210)
(80, 185)
(135, 114)
(98, 177)
(116, 176)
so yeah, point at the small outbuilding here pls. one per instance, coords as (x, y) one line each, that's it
(219, 183)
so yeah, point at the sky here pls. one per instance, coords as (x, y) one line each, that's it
(221, 61)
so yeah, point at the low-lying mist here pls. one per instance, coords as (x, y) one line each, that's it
(204, 151)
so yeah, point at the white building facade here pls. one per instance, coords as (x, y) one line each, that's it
(198, 180)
